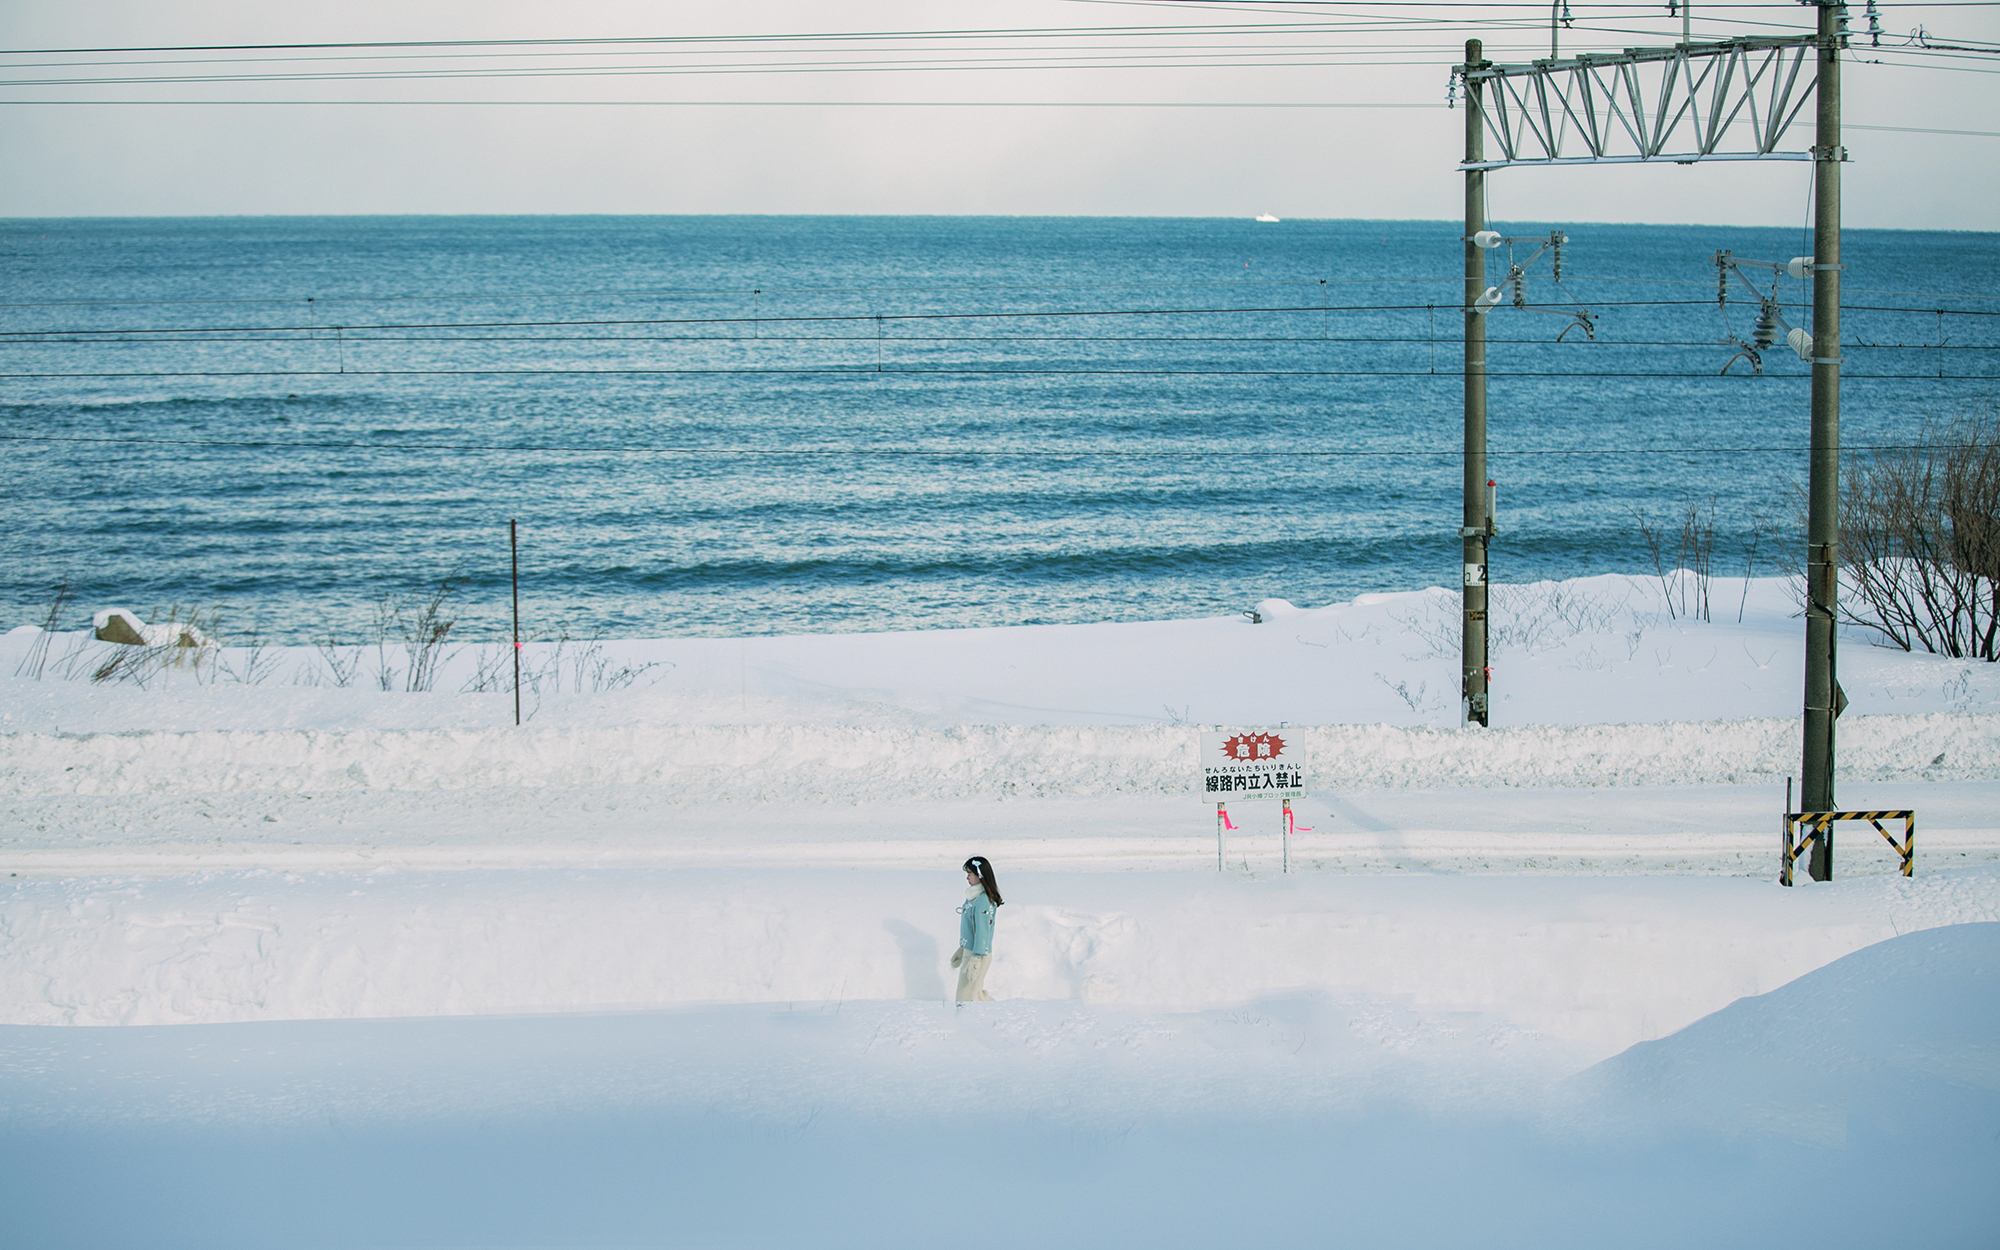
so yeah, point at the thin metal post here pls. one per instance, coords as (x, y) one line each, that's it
(1219, 819)
(1473, 659)
(1785, 838)
(1823, 486)
(1286, 838)
(514, 549)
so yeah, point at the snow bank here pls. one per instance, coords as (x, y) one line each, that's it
(1595, 968)
(1887, 1032)
(839, 763)
(1295, 1118)
(1591, 651)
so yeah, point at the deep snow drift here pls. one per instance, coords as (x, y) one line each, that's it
(1296, 1117)
(666, 964)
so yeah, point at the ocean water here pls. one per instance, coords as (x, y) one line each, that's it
(726, 425)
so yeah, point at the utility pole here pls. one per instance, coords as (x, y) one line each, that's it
(1476, 527)
(1542, 113)
(1823, 696)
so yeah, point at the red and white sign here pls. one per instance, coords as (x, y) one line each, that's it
(1250, 764)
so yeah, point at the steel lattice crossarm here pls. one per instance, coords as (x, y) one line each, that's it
(1727, 101)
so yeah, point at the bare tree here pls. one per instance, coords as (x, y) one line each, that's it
(1920, 540)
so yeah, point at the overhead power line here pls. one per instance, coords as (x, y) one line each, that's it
(1037, 453)
(864, 369)
(899, 318)
(969, 33)
(967, 340)
(865, 104)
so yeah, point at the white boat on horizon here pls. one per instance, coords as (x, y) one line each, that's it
(1267, 217)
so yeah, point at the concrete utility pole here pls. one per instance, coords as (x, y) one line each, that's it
(1823, 696)
(1728, 100)
(1477, 526)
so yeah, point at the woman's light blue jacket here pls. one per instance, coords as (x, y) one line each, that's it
(975, 924)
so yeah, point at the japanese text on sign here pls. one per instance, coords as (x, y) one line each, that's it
(1250, 765)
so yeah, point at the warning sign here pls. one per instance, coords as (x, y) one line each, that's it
(1250, 764)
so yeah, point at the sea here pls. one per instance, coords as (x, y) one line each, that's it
(296, 426)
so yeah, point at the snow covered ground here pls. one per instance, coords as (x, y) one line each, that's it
(666, 965)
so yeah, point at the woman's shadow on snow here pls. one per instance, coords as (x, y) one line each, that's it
(920, 960)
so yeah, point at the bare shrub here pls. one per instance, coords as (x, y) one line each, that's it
(421, 623)
(1438, 625)
(1582, 612)
(1750, 564)
(489, 670)
(255, 661)
(424, 633)
(341, 663)
(38, 654)
(582, 667)
(1530, 617)
(1920, 540)
(1683, 559)
(1415, 698)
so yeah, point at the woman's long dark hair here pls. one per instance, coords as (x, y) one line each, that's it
(980, 865)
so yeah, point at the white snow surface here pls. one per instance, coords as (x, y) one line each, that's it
(667, 963)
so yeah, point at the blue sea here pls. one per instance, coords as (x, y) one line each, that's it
(746, 425)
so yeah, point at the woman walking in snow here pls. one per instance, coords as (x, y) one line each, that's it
(975, 930)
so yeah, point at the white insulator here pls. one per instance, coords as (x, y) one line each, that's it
(1801, 342)
(1800, 267)
(1487, 299)
(1489, 239)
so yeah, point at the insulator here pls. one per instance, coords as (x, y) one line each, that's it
(1722, 279)
(1766, 332)
(1517, 282)
(1557, 248)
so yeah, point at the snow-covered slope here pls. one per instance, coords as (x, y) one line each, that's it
(1891, 1033)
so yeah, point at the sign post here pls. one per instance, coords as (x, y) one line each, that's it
(1250, 764)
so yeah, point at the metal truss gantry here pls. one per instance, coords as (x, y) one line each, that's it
(1728, 101)
(1734, 100)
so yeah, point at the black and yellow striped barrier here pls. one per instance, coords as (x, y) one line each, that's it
(1818, 825)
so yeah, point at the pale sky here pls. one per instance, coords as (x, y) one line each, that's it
(541, 140)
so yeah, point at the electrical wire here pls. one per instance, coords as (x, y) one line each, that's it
(880, 370)
(1122, 453)
(774, 292)
(1531, 18)
(738, 340)
(1452, 280)
(815, 104)
(900, 318)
